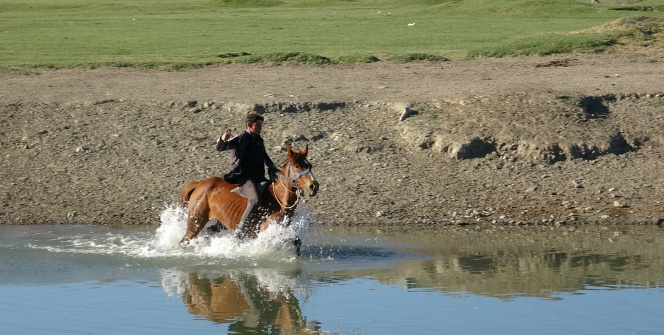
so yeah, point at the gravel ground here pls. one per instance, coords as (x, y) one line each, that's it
(531, 140)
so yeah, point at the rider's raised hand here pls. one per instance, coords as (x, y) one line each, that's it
(225, 136)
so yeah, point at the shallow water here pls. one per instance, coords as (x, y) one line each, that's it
(102, 280)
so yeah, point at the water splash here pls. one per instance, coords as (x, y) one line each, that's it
(276, 238)
(164, 243)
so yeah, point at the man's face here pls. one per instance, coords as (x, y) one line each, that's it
(255, 128)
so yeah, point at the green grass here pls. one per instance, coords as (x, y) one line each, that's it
(655, 104)
(280, 57)
(173, 34)
(552, 44)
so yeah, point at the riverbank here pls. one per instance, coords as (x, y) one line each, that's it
(531, 140)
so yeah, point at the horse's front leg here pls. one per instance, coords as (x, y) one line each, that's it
(278, 217)
(298, 244)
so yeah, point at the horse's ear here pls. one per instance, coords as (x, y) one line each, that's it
(306, 149)
(288, 150)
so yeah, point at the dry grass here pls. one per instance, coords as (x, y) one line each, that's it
(635, 35)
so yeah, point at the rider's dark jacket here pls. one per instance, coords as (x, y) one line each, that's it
(248, 160)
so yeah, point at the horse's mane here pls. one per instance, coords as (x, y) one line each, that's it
(296, 155)
(283, 163)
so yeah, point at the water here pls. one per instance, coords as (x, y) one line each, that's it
(119, 280)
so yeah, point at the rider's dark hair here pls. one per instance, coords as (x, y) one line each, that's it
(253, 118)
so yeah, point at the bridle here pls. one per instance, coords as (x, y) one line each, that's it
(293, 184)
(300, 174)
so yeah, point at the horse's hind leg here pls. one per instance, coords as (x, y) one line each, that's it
(216, 227)
(198, 217)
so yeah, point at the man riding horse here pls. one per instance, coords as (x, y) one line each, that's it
(234, 199)
(248, 162)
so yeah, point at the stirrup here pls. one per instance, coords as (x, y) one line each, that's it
(239, 233)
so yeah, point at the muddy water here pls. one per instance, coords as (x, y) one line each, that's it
(101, 280)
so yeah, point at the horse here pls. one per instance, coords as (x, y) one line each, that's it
(212, 199)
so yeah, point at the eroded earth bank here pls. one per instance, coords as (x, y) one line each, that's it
(532, 140)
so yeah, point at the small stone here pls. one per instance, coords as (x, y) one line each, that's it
(619, 204)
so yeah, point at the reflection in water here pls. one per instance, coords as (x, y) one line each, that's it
(514, 262)
(365, 280)
(261, 302)
(458, 263)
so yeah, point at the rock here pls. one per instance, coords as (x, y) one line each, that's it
(619, 204)
(568, 204)
(407, 112)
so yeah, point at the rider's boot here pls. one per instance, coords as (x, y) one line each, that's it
(239, 230)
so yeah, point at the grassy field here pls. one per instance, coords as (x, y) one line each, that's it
(184, 33)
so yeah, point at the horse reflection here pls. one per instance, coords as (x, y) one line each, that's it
(245, 303)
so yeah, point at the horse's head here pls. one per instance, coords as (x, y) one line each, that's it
(299, 171)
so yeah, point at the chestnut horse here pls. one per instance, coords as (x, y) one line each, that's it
(212, 199)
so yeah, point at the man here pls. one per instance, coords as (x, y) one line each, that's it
(248, 163)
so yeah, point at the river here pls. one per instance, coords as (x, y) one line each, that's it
(58, 279)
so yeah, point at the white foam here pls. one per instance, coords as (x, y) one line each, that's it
(173, 226)
(164, 242)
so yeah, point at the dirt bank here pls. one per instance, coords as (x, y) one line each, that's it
(532, 140)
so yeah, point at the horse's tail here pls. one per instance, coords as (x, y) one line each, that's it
(187, 190)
